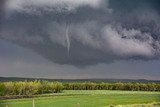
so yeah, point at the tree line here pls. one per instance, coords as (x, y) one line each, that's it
(43, 87)
(29, 88)
(112, 86)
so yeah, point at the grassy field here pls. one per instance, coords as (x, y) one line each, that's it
(95, 98)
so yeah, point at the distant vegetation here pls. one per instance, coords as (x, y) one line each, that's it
(43, 87)
(16, 79)
(29, 88)
(112, 86)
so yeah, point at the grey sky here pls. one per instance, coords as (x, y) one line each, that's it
(80, 39)
(20, 62)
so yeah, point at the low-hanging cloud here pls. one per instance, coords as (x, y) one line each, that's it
(39, 6)
(82, 32)
(129, 45)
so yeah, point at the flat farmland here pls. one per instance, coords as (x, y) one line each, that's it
(89, 98)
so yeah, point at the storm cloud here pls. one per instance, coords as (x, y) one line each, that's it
(84, 32)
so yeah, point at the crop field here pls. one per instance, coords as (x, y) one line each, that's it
(89, 98)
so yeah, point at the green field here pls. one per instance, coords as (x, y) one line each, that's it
(84, 98)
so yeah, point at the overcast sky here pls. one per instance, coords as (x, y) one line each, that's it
(80, 39)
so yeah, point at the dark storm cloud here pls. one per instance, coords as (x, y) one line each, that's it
(2, 4)
(84, 32)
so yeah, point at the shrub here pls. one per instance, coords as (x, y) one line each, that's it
(2, 89)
